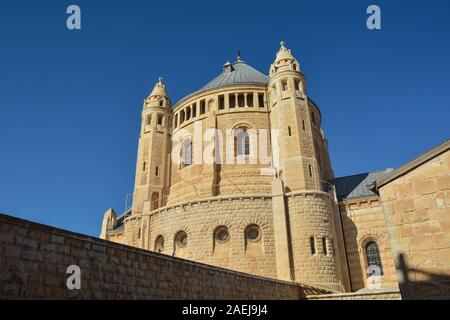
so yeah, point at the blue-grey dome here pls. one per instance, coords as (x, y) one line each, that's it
(237, 73)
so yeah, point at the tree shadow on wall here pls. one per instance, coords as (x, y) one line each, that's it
(420, 284)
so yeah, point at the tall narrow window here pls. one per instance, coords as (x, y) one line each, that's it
(373, 259)
(250, 99)
(303, 125)
(149, 120)
(194, 110)
(221, 102)
(156, 171)
(324, 246)
(241, 100)
(232, 98)
(175, 121)
(313, 119)
(144, 165)
(310, 170)
(312, 244)
(261, 100)
(186, 153)
(284, 85)
(289, 131)
(242, 142)
(202, 106)
(160, 119)
(297, 84)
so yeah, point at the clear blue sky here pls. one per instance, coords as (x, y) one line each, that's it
(70, 101)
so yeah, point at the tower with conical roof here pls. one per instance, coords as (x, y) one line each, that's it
(152, 168)
(301, 172)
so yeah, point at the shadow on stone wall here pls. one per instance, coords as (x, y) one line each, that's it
(430, 286)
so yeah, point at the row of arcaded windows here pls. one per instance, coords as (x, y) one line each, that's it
(245, 99)
(221, 235)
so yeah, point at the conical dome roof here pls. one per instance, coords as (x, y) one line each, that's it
(283, 53)
(159, 90)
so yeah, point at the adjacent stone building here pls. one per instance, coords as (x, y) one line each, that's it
(238, 175)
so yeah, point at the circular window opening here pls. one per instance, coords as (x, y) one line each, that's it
(181, 239)
(222, 234)
(253, 233)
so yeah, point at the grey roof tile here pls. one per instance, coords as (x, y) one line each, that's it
(357, 186)
(242, 74)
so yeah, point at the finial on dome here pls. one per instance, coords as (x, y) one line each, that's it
(282, 43)
(238, 56)
(160, 80)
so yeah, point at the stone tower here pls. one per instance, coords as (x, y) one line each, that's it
(303, 216)
(152, 168)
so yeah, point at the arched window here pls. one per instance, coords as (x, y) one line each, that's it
(159, 243)
(186, 153)
(373, 259)
(221, 234)
(252, 233)
(181, 239)
(155, 201)
(242, 142)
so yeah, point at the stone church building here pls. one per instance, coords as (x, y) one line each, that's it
(238, 175)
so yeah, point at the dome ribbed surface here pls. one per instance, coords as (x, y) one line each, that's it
(242, 74)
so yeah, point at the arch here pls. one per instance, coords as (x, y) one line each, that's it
(253, 233)
(373, 258)
(186, 152)
(159, 243)
(221, 234)
(154, 201)
(242, 144)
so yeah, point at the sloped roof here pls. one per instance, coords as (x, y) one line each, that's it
(357, 186)
(407, 167)
(242, 73)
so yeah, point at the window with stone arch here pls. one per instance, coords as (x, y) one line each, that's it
(159, 243)
(186, 153)
(253, 233)
(373, 258)
(181, 239)
(241, 141)
(221, 234)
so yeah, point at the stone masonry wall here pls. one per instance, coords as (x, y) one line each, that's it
(201, 219)
(310, 218)
(363, 221)
(417, 211)
(34, 258)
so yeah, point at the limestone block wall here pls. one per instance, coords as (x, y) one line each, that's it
(200, 220)
(363, 221)
(417, 211)
(311, 226)
(35, 257)
(366, 295)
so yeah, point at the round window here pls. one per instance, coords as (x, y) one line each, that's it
(253, 233)
(222, 234)
(181, 239)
